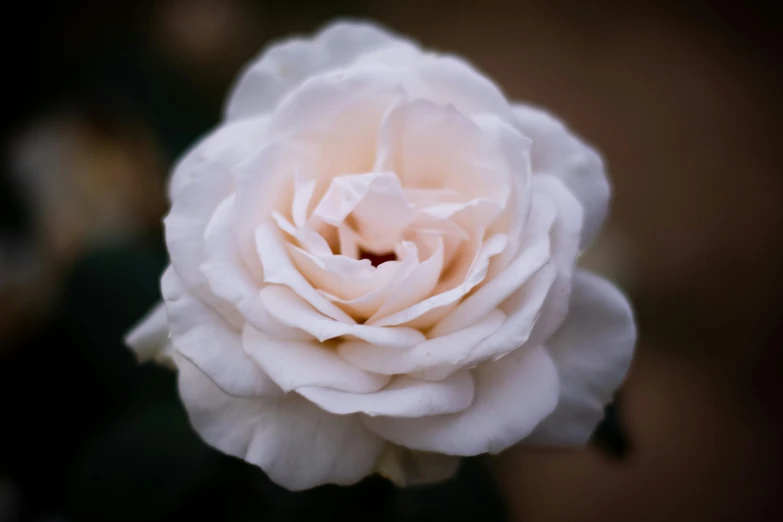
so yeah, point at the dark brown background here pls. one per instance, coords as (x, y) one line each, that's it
(684, 100)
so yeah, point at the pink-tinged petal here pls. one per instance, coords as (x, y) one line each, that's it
(429, 146)
(558, 152)
(296, 364)
(592, 351)
(450, 350)
(149, 337)
(440, 303)
(298, 445)
(535, 252)
(210, 343)
(410, 288)
(228, 278)
(403, 397)
(376, 203)
(284, 66)
(512, 396)
(278, 269)
(290, 309)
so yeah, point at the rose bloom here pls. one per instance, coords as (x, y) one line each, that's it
(373, 268)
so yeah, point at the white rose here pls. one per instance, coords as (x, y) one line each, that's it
(372, 268)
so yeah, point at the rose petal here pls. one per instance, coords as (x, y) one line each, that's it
(535, 252)
(278, 269)
(450, 350)
(228, 279)
(512, 396)
(592, 351)
(429, 146)
(149, 336)
(284, 66)
(403, 397)
(288, 308)
(515, 149)
(207, 341)
(379, 210)
(564, 240)
(298, 445)
(416, 315)
(454, 81)
(558, 152)
(295, 364)
(227, 145)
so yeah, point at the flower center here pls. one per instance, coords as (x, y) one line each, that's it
(377, 259)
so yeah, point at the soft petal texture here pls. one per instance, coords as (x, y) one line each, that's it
(592, 352)
(284, 66)
(411, 468)
(564, 240)
(403, 397)
(289, 309)
(558, 152)
(453, 351)
(209, 342)
(229, 280)
(294, 365)
(513, 395)
(298, 445)
(149, 337)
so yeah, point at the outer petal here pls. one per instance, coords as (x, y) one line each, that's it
(564, 240)
(298, 445)
(228, 145)
(284, 66)
(558, 152)
(404, 397)
(149, 339)
(512, 396)
(209, 342)
(405, 467)
(592, 351)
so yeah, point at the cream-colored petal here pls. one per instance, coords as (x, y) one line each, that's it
(535, 252)
(441, 302)
(278, 269)
(430, 146)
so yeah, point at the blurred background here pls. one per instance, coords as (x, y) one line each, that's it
(684, 100)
